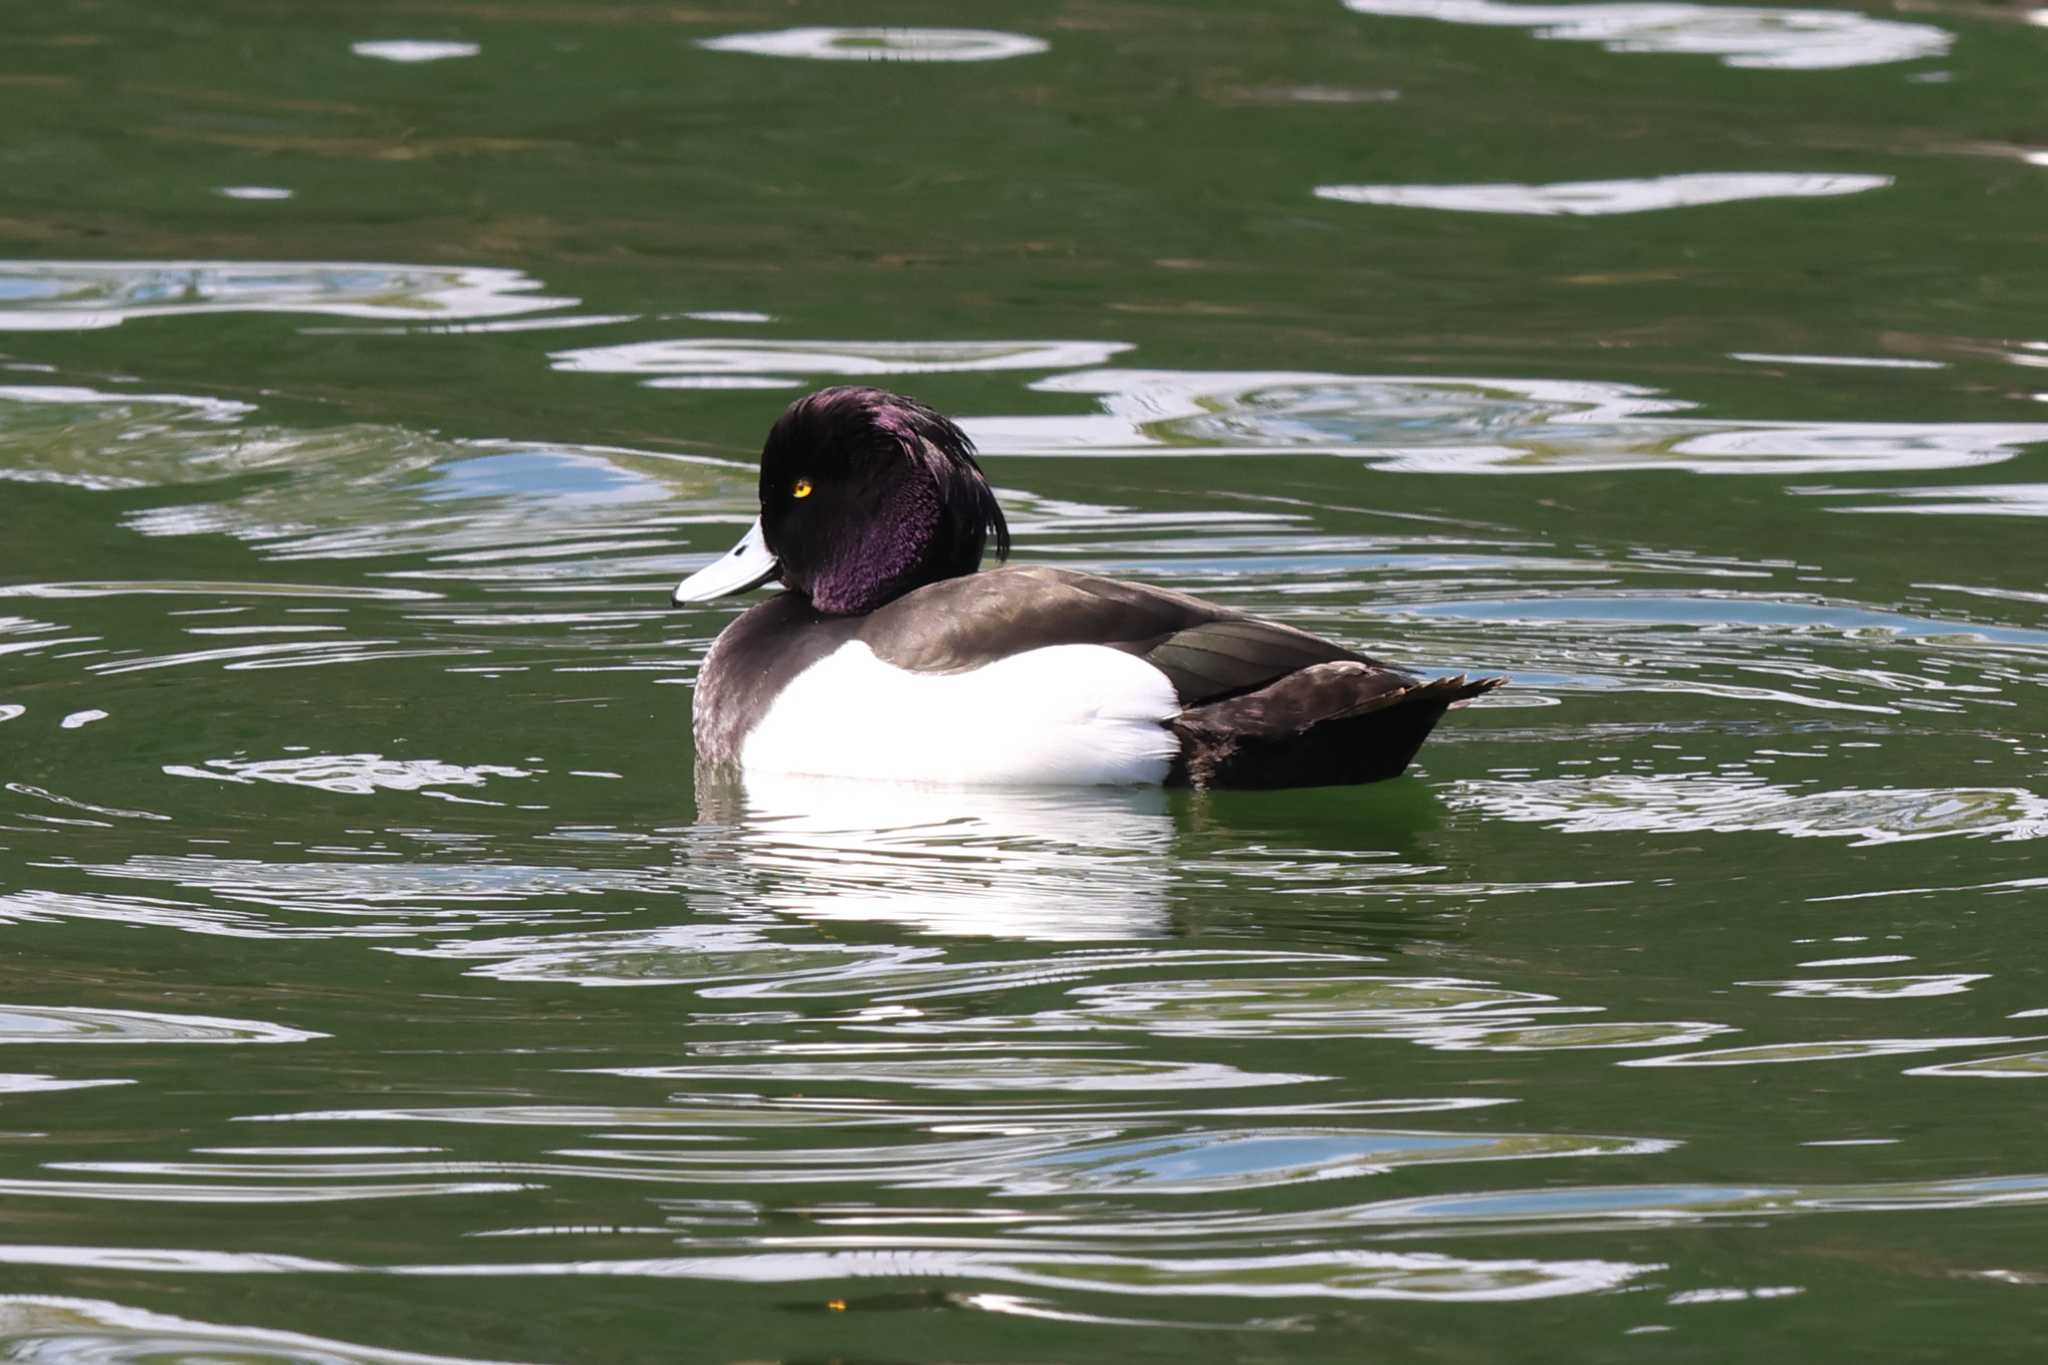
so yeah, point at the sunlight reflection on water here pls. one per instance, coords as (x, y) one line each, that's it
(1056, 1042)
(1423, 424)
(881, 44)
(85, 295)
(1742, 36)
(74, 1331)
(1589, 197)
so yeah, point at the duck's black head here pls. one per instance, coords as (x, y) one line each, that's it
(866, 495)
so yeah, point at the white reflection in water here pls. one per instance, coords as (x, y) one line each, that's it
(212, 589)
(687, 1111)
(1697, 802)
(1453, 425)
(82, 295)
(984, 1068)
(72, 1331)
(1032, 1159)
(1574, 1208)
(1740, 35)
(1872, 987)
(1450, 1014)
(42, 1024)
(1847, 362)
(1592, 197)
(1969, 500)
(2019, 1066)
(414, 50)
(350, 774)
(881, 44)
(1825, 1050)
(1416, 1277)
(1733, 1295)
(558, 322)
(1059, 865)
(706, 1139)
(34, 1083)
(749, 362)
(379, 896)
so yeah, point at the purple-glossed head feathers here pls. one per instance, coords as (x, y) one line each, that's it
(866, 495)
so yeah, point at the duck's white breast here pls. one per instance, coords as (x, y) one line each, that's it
(1082, 714)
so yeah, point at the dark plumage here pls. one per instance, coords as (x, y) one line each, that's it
(877, 514)
(899, 501)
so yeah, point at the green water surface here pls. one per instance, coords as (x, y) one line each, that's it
(380, 987)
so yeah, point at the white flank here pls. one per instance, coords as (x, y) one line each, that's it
(1067, 714)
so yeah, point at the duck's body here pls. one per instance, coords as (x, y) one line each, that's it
(908, 665)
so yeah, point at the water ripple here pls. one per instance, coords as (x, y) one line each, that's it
(350, 774)
(1828, 1050)
(77, 1331)
(1700, 802)
(977, 1074)
(1451, 425)
(1419, 1277)
(881, 44)
(1740, 35)
(1584, 198)
(79, 1024)
(1872, 987)
(82, 295)
(699, 362)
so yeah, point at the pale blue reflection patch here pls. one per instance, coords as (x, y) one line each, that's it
(1195, 1161)
(542, 473)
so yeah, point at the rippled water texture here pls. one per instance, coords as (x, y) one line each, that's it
(384, 987)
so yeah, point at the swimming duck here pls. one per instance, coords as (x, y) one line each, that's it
(888, 655)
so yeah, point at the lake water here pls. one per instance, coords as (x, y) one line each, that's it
(379, 986)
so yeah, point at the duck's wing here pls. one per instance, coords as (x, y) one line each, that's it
(1208, 652)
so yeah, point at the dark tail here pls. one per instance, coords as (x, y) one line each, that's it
(1334, 724)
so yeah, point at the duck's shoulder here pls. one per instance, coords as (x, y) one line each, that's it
(1205, 650)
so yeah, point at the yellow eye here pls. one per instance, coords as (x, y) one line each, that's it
(802, 489)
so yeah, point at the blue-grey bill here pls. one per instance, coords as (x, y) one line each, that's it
(746, 565)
